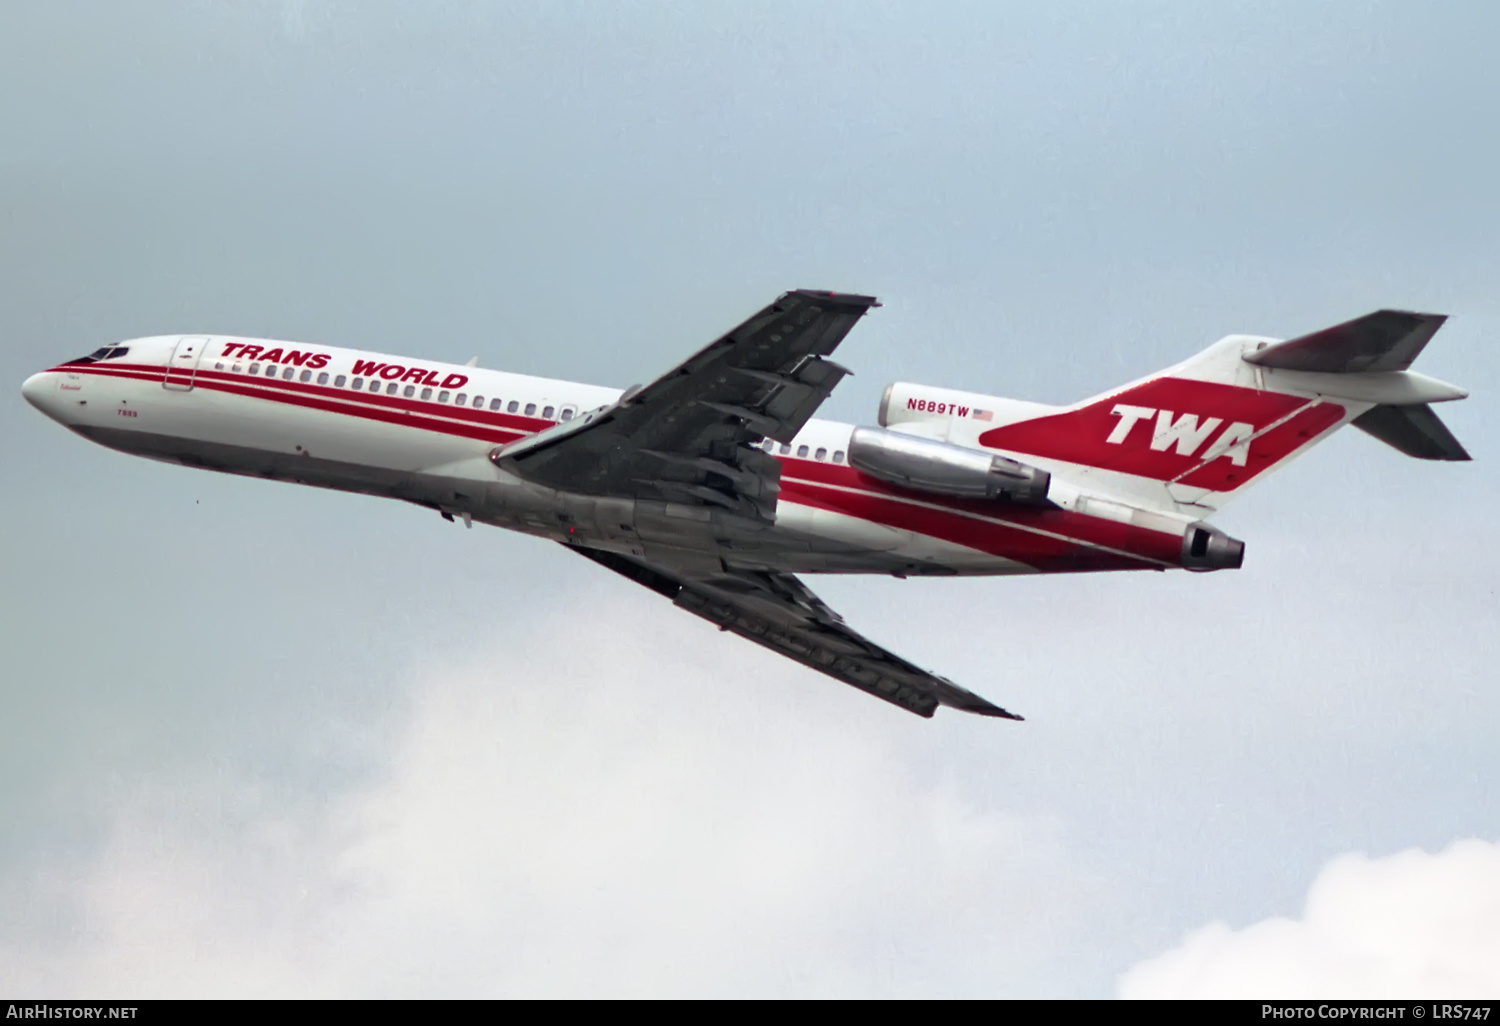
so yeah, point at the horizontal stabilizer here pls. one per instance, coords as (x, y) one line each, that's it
(1414, 430)
(1387, 340)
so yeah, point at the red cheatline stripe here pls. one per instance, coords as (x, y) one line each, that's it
(343, 401)
(514, 421)
(386, 413)
(510, 421)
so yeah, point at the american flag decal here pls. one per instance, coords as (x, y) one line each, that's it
(984, 415)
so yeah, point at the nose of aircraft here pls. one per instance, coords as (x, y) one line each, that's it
(36, 389)
(41, 391)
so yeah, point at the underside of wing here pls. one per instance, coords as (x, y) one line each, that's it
(689, 437)
(779, 612)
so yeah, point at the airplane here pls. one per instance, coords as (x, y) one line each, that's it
(715, 486)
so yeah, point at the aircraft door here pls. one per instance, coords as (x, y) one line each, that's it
(183, 366)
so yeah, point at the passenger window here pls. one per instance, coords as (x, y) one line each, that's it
(443, 397)
(338, 382)
(838, 455)
(323, 378)
(547, 413)
(802, 452)
(513, 407)
(495, 404)
(286, 375)
(479, 402)
(426, 393)
(236, 368)
(358, 384)
(271, 369)
(306, 376)
(391, 388)
(463, 399)
(375, 385)
(255, 368)
(530, 409)
(567, 413)
(409, 391)
(218, 366)
(785, 449)
(821, 454)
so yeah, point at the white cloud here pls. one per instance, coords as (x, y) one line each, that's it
(575, 819)
(1411, 925)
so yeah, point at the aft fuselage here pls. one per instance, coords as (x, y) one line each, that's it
(423, 431)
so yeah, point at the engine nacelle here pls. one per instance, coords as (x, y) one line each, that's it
(1208, 548)
(930, 466)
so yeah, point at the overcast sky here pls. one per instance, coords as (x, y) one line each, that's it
(262, 739)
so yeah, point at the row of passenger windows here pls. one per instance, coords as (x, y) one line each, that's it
(410, 391)
(820, 453)
(477, 402)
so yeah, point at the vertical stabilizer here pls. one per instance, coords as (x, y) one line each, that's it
(1193, 436)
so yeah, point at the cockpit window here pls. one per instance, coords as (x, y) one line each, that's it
(106, 353)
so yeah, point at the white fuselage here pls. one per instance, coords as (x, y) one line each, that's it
(423, 431)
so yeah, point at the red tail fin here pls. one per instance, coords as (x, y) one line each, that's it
(1214, 423)
(1199, 434)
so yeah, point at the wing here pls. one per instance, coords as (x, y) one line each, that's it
(781, 613)
(688, 437)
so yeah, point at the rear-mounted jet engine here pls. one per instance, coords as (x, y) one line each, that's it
(1208, 548)
(930, 466)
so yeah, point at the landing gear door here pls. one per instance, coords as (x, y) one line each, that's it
(183, 366)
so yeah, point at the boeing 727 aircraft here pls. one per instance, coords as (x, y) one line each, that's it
(714, 486)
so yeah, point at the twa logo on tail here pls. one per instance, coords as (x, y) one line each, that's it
(1185, 433)
(1231, 435)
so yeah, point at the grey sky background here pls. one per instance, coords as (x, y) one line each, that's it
(265, 739)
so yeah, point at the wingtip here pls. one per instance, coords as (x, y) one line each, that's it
(996, 713)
